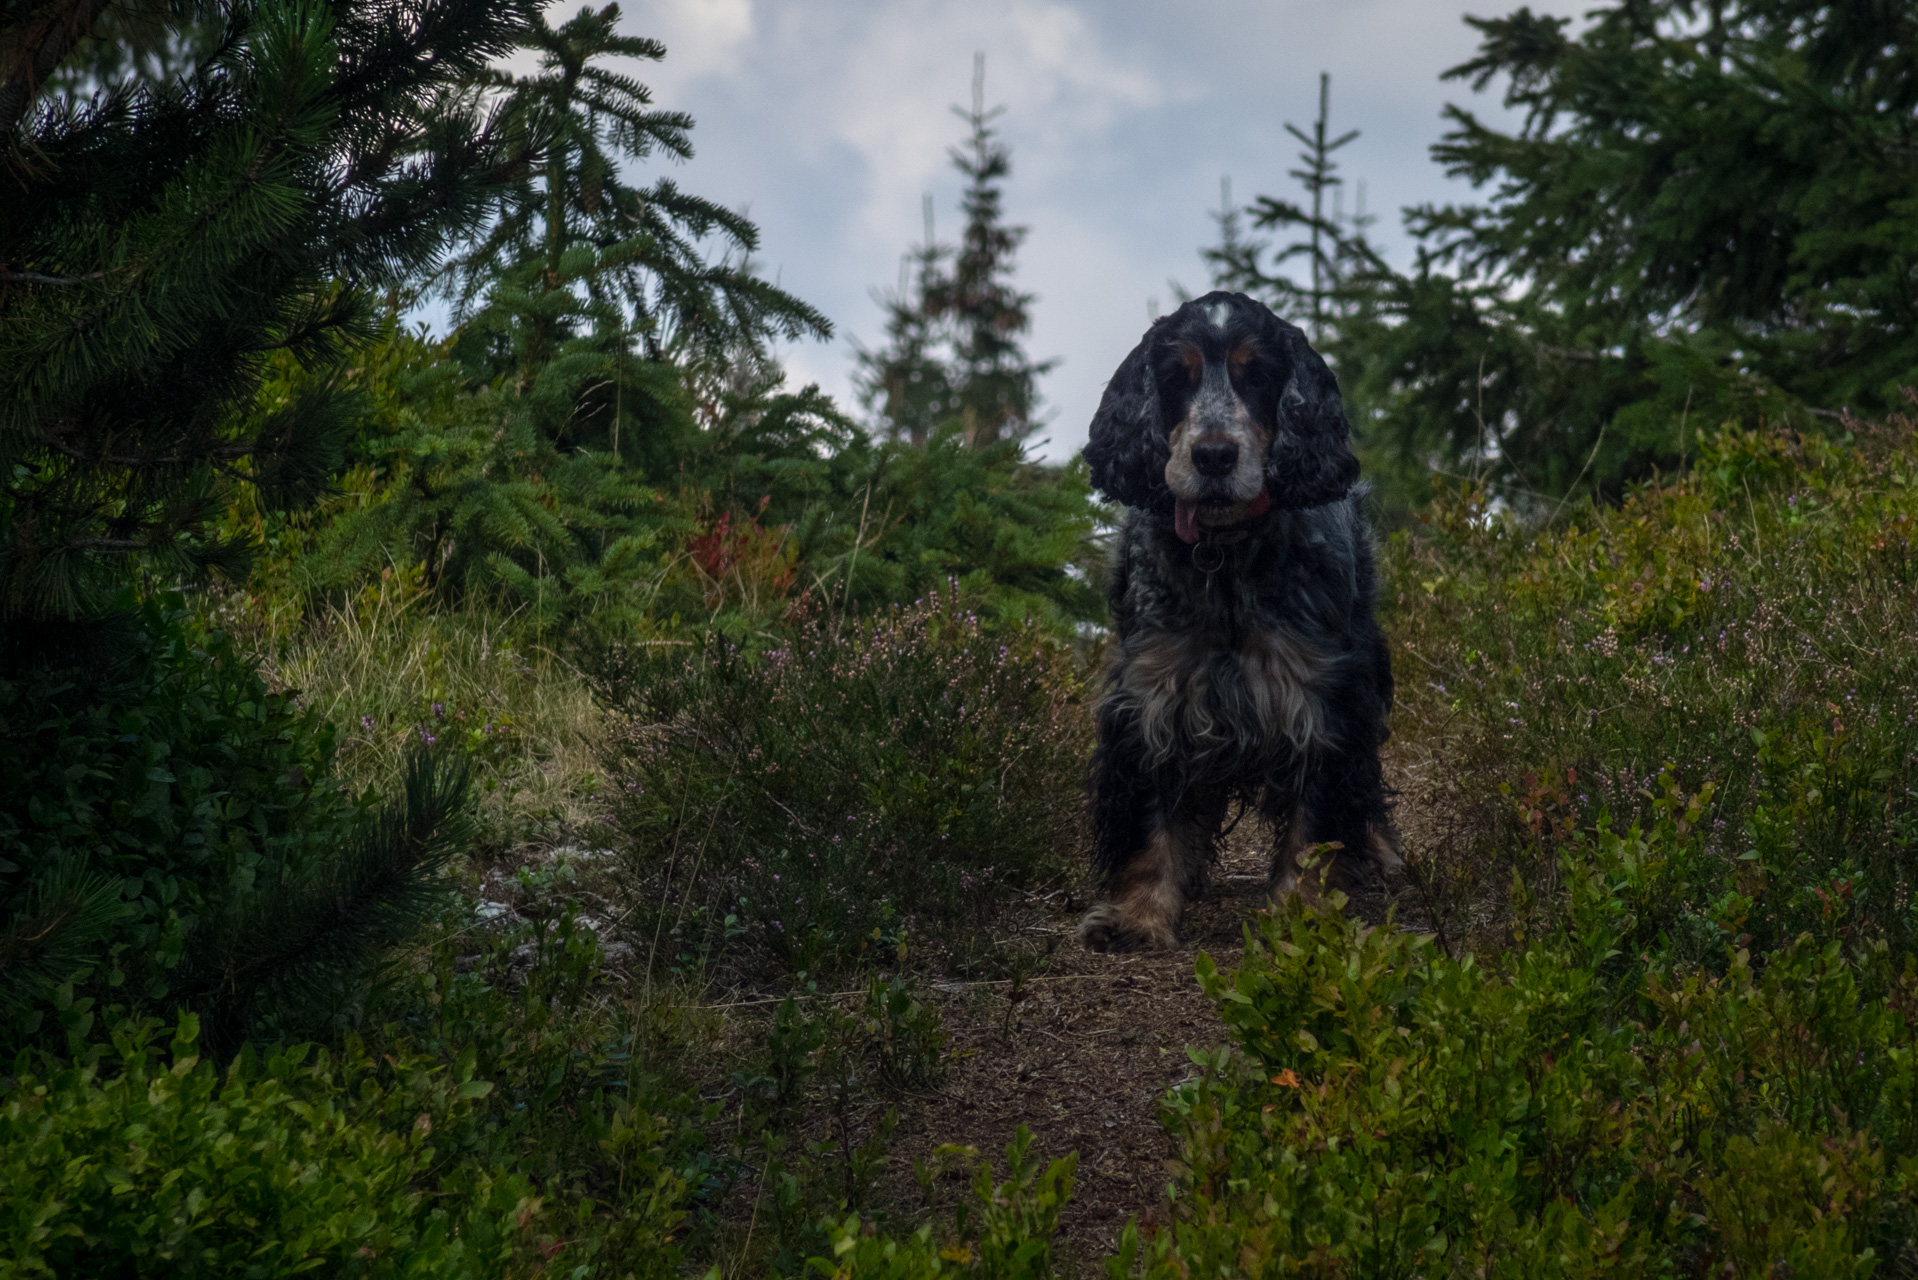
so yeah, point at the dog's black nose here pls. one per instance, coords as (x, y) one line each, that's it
(1215, 458)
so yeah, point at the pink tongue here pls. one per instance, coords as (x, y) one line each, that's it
(1185, 515)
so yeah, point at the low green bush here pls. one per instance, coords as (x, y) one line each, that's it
(1004, 1233)
(291, 1162)
(1589, 1103)
(512, 1118)
(907, 1032)
(861, 779)
(1748, 621)
(586, 1096)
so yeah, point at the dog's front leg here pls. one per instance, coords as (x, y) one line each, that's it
(1287, 817)
(1145, 896)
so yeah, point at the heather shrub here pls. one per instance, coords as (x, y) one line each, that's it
(904, 773)
(1746, 624)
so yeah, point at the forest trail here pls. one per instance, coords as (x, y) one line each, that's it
(1083, 1060)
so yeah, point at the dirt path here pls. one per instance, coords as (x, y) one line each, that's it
(1083, 1061)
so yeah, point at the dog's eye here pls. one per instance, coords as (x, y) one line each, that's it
(1242, 361)
(1192, 362)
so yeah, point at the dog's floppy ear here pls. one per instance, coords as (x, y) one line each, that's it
(1311, 461)
(1127, 449)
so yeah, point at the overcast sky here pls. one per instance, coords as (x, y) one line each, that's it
(828, 119)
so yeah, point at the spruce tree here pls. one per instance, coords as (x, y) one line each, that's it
(165, 239)
(952, 393)
(592, 312)
(907, 383)
(1335, 247)
(995, 379)
(1708, 213)
(954, 329)
(171, 241)
(1342, 302)
(582, 227)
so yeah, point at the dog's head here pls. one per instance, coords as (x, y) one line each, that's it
(1221, 411)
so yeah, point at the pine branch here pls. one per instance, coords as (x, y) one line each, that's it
(34, 45)
(314, 928)
(51, 927)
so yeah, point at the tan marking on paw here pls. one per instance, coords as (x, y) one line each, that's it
(1148, 896)
(1105, 928)
(1383, 844)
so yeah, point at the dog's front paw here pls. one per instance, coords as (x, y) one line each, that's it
(1106, 928)
(1295, 886)
(1099, 929)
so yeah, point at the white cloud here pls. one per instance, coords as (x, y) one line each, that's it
(829, 118)
(702, 37)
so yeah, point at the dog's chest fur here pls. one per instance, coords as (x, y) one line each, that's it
(1199, 698)
(1236, 667)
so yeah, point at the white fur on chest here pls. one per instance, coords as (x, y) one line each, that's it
(1194, 695)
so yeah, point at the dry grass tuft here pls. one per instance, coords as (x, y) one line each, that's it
(389, 671)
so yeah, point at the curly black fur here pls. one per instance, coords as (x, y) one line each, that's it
(1310, 462)
(1266, 679)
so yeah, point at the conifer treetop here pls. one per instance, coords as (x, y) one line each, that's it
(956, 325)
(575, 124)
(167, 240)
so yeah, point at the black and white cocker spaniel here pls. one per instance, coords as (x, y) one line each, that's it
(1249, 663)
